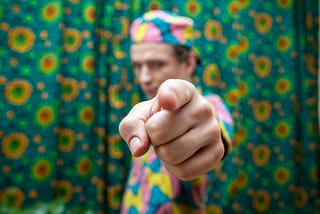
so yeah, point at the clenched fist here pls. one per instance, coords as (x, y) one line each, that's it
(182, 127)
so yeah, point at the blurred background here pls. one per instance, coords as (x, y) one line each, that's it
(65, 84)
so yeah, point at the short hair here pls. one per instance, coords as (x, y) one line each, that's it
(182, 53)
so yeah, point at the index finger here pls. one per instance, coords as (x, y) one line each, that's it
(175, 93)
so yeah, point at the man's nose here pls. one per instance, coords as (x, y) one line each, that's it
(145, 74)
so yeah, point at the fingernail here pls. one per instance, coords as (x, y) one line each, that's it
(134, 144)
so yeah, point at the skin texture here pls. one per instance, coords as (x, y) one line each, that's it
(177, 121)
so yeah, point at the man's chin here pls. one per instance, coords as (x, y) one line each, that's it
(150, 95)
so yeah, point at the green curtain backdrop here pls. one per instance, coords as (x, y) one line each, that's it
(65, 84)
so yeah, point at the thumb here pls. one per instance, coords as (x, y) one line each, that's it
(132, 128)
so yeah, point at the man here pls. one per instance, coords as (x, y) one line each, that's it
(179, 134)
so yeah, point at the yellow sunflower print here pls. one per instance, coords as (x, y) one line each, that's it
(18, 92)
(21, 39)
(14, 145)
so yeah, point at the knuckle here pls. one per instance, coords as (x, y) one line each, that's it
(203, 110)
(212, 128)
(130, 121)
(124, 126)
(167, 155)
(213, 160)
(220, 152)
(154, 133)
(215, 130)
(152, 127)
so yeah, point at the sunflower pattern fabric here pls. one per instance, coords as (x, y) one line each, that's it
(65, 84)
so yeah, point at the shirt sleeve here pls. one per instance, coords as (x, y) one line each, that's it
(224, 118)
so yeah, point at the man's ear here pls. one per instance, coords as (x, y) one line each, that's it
(191, 62)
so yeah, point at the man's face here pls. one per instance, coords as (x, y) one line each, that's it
(153, 63)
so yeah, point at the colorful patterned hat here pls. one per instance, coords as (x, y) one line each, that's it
(162, 26)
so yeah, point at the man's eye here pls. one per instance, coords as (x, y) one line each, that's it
(136, 68)
(156, 65)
